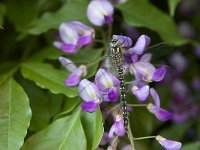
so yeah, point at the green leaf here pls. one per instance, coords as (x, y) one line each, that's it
(71, 10)
(63, 134)
(191, 146)
(44, 105)
(160, 50)
(141, 13)
(69, 105)
(172, 6)
(2, 14)
(86, 56)
(93, 127)
(47, 77)
(15, 115)
(22, 12)
(48, 52)
(176, 131)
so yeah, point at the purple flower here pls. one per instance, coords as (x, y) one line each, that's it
(160, 113)
(77, 72)
(107, 84)
(179, 62)
(179, 89)
(131, 56)
(196, 82)
(118, 127)
(168, 144)
(188, 7)
(100, 12)
(127, 147)
(141, 93)
(89, 92)
(74, 35)
(186, 30)
(146, 57)
(148, 72)
(197, 51)
(184, 109)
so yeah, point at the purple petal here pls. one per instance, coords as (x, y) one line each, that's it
(68, 33)
(97, 10)
(69, 48)
(88, 90)
(105, 80)
(117, 128)
(159, 74)
(145, 69)
(140, 45)
(178, 61)
(72, 80)
(146, 57)
(168, 144)
(127, 147)
(67, 63)
(82, 28)
(108, 19)
(141, 93)
(161, 114)
(58, 44)
(89, 106)
(113, 94)
(84, 40)
(134, 58)
(155, 97)
(111, 132)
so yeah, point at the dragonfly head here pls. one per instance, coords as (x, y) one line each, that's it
(120, 41)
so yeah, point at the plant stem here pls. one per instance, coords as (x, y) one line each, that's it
(143, 138)
(113, 108)
(137, 105)
(130, 136)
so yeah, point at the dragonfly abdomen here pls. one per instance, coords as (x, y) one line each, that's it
(118, 60)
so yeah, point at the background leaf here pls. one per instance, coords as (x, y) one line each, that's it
(160, 50)
(65, 133)
(93, 127)
(44, 105)
(69, 105)
(15, 115)
(2, 14)
(172, 6)
(191, 146)
(141, 13)
(22, 12)
(47, 77)
(70, 11)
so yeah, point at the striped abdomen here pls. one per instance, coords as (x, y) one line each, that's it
(119, 60)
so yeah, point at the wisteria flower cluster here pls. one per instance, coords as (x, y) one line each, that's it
(106, 86)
